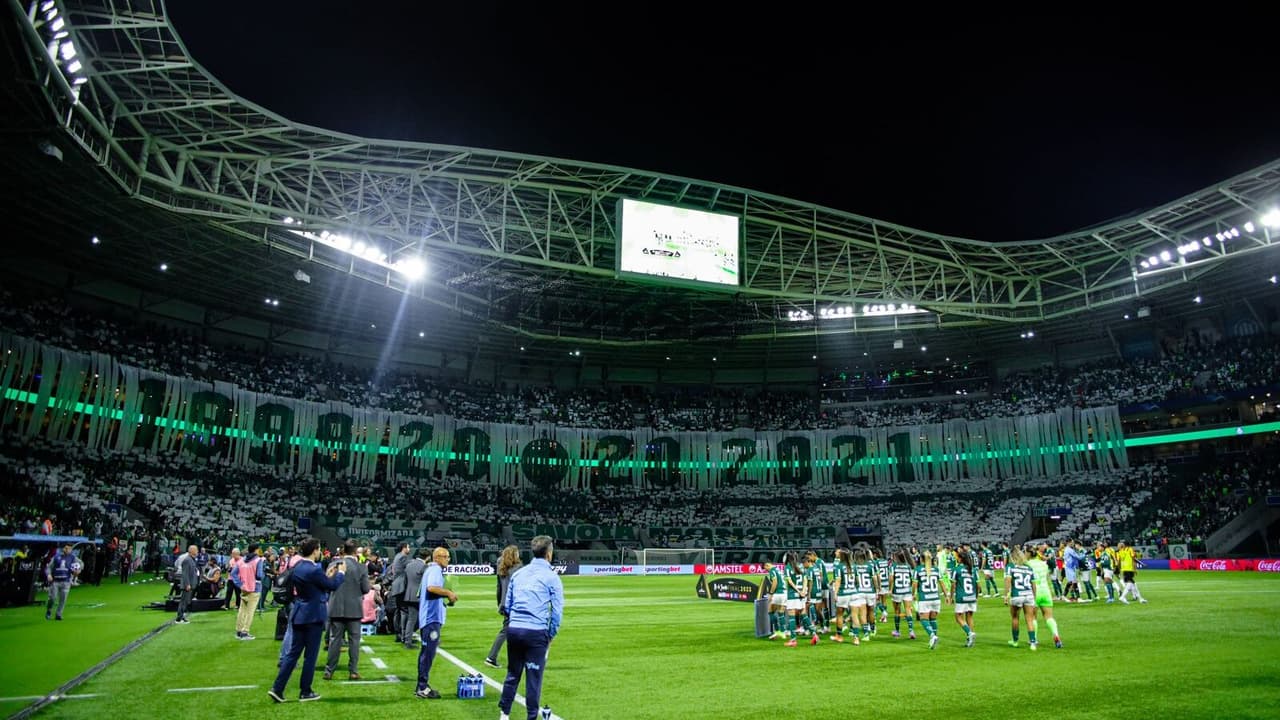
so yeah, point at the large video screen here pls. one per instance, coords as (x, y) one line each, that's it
(676, 243)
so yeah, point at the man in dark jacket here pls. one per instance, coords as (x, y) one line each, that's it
(311, 585)
(188, 573)
(412, 593)
(396, 573)
(346, 606)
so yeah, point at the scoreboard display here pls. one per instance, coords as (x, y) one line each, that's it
(678, 244)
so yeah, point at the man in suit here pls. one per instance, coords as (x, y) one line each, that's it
(188, 572)
(311, 585)
(346, 608)
(412, 593)
(398, 565)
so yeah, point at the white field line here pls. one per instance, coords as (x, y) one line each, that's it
(487, 680)
(212, 689)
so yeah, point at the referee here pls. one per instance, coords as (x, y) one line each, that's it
(534, 606)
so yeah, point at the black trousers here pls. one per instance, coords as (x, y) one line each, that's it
(304, 644)
(526, 653)
(184, 603)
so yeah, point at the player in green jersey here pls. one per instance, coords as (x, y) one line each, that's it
(966, 588)
(942, 560)
(1106, 570)
(774, 588)
(900, 573)
(843, 584)
(1019, 595)
(817, 570)
(882, 591)
(1043, 588)
(990, 589)
(797, 584)
(864, 594)
(926, 585)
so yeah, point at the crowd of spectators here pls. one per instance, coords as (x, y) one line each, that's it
(1193, 510)
(1191, 368)
(167, 499)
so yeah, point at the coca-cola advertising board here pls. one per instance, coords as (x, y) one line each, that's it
(1227, 565)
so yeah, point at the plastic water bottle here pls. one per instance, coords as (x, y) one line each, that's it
(479, 685)
(545, 713)
(463, 687)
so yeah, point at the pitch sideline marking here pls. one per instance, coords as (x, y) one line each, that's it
(212, 689)
(487, 680)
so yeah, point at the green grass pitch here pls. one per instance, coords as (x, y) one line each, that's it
(1207, 646)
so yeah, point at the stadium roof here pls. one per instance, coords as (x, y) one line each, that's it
(518, 248)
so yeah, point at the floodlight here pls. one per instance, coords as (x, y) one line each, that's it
(412, 268)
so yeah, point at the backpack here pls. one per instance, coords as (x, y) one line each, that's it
(282, 590)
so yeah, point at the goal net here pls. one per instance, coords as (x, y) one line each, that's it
(673, 556)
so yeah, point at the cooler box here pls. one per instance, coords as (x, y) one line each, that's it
(763, 628)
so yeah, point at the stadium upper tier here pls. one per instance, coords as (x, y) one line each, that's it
(529, 243)
(1190, 375)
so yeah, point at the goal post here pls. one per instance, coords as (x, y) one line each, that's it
(671, 556)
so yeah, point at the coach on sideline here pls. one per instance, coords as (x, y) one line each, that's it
(534, 606)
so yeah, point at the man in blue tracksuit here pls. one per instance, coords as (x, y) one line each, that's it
(61, 569)
(534, 606)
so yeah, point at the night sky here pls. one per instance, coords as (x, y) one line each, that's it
(968, 125)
